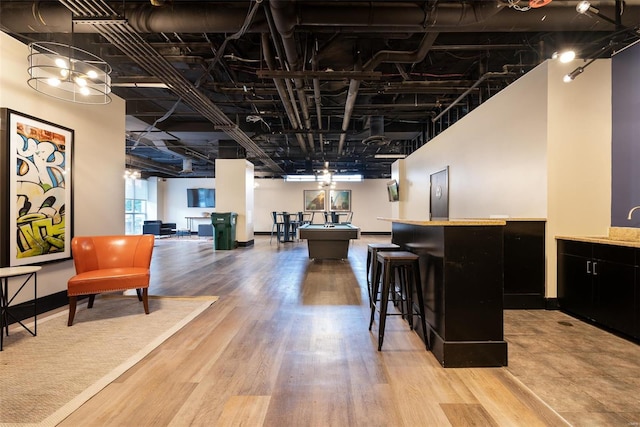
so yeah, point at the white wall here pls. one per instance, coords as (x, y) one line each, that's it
(368, 201)
(579, 166)
(172, 200)
(540, 148)
(235, 194)
(98, 155)
(496, 157)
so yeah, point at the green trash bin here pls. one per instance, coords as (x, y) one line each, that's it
(224, 230)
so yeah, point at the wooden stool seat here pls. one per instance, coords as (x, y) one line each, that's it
(403, 265)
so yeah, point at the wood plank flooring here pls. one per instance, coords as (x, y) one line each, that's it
(287, 344)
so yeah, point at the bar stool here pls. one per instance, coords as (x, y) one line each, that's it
(404, 265)
(372, 262)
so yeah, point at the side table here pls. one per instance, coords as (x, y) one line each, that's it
(5, 300)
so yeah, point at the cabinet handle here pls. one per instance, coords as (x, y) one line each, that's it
(588, 267)
(595, 264)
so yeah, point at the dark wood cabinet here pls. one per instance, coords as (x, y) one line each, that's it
(599, 282)
(524, 264)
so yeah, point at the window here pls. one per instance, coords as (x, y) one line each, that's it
(135, 205)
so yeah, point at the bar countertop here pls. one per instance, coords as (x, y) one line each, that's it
(450, 222)
(619, 236)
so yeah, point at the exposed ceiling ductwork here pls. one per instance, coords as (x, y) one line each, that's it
(298, 83)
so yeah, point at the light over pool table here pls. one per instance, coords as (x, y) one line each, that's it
(329, 242)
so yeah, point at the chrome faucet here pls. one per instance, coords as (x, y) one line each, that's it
(631, 212)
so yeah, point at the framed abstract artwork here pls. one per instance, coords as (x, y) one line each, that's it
(314, 200)
(340, 200)
(36, 217)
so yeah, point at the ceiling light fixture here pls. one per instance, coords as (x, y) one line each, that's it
(131, 174)
(584, 8)
(572, 75)
(68, 73)
(325, 177)
(564, 56)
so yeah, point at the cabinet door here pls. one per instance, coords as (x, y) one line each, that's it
(575, 285)
(615, 296)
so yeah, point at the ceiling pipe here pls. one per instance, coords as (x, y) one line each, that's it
(317, 99)
(283, 66)
(284, 19)
(286, 101)
(380, 57)
(441, 16)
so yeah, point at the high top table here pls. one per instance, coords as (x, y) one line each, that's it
(461, 269)
(5, 301)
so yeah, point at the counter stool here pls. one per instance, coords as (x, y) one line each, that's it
(405, 266)
(372, 262)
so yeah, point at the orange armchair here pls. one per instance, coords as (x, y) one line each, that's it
(109, 264)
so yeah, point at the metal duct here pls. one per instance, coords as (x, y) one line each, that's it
(376, 132)
(370, 17)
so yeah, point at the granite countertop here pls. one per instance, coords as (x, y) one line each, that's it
(451, 222)
(620, 236)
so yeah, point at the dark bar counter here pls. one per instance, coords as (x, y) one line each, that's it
(461, 268)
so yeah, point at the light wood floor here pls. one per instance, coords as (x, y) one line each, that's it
(287, 344)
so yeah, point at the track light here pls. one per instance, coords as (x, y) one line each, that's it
(584, 7)
(564, 56)
(572, 75)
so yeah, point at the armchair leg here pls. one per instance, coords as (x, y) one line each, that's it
(72, 309)
(139, 293)
(92, 298)
(145, 299)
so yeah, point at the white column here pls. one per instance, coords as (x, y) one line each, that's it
(234, 193)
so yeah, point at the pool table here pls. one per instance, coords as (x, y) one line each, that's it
(328, 242)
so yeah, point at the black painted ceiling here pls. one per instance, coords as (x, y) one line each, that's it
(290, 85)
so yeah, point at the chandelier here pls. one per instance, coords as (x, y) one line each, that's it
(68, 73)
(325, 178)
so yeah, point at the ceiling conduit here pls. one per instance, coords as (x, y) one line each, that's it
(121, 35)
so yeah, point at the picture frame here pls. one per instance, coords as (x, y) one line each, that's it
(36, 217)
(314, 200)
(439, 195)
(340, 201)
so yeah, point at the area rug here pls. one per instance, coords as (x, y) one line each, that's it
(45, 378)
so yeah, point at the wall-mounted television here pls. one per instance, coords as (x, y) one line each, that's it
(201, 197)
(392, 190)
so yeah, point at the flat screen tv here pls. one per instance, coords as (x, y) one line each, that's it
(201, 197)
(392, 190)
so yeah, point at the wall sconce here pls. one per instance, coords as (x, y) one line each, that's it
(68, 73)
